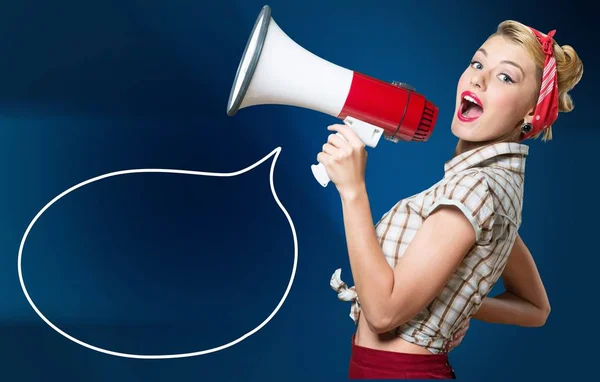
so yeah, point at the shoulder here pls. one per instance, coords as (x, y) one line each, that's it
(472, 187)
(470, 192)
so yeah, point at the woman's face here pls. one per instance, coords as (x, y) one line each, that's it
(502, 80)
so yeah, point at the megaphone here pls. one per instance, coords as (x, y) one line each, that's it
(274, 69)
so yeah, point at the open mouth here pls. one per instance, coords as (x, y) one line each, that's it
(470, 107)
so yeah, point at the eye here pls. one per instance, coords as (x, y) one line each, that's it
(506, 78)
(476, 64)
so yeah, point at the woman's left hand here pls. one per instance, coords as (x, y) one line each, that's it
(345, 159)
(458, 336)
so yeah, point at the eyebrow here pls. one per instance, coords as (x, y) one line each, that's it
(505, 61)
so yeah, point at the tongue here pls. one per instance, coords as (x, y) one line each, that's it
(473, 111)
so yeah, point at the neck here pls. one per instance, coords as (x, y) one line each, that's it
(463, 145)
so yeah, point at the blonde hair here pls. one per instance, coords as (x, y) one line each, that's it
(568, 65)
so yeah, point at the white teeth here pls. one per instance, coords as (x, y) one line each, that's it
(471, 99)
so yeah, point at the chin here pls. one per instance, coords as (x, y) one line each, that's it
(470, 131)
(471, 134)
(466, 133)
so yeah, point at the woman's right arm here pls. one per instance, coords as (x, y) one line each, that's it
(524, 302)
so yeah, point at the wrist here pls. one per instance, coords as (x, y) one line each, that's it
(354, 193)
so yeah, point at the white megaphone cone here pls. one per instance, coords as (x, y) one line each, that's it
(276, 70)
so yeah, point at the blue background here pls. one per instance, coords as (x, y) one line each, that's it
(163, 263)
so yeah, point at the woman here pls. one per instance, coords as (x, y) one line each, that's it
(427, 266)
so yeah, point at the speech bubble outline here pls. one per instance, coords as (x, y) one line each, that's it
(275, 152)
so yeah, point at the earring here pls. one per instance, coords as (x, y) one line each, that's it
(526, 127)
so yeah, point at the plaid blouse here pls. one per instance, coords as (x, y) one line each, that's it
(486, 184)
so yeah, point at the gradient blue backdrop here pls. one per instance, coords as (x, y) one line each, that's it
(162, 263)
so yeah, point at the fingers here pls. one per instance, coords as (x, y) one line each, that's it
(452, 345)
(456, 340)
(337, 141)
(463, 327)
(467, 323)
(461, 332)
(458, 336)
(323, 158)
(332, 151)
(329, 154)
(328, 148)
(336, 146)
(339, 145)
(348, 134)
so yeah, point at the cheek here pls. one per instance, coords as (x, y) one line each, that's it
(505, 104)
(463, 82)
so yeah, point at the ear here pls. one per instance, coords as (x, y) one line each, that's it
(529, 116)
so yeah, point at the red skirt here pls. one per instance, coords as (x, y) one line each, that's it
(367, 363)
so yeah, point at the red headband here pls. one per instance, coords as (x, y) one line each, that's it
(546, 110)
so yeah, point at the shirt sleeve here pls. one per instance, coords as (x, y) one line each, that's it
(471, 194)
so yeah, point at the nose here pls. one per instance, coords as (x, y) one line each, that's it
(478, 81)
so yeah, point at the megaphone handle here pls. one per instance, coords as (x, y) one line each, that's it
(320, 174)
